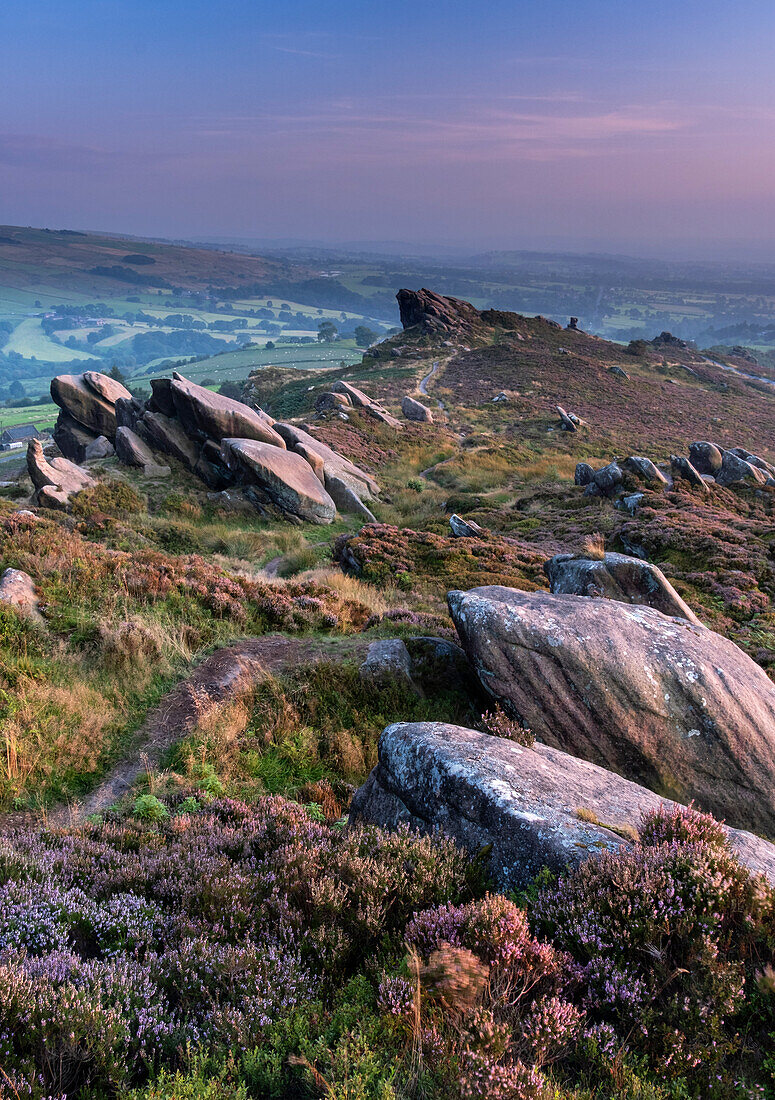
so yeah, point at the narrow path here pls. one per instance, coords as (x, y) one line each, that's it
(221, 678)
(739, 373)
(423, 387)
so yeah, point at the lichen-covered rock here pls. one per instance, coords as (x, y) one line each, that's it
(464, 528)
(167, 435)
(285, 477)
(532, 807)
(663, 701)
(617, 577)
(607, 478)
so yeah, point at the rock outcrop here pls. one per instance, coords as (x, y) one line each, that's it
(531, 807)
(660, 700)
(131, 450)
(56, 480)
(430, 313)
(288, 481)
(207, 415)
(617, 577)
(333, 464)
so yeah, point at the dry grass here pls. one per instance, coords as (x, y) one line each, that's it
(350, 587)
(593, 547)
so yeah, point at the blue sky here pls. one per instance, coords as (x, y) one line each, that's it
(612, 124)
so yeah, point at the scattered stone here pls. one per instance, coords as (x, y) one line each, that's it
(630, 503)
(760, 463)
(388, 663)
(413, 410)
(682, 467)
(705, 457)
(355, 397)
(619, 372)
(584, 475)
(285, 477)
(500, 398)
(521, 804)
(573, 324)
(617, 577)
(645, 468)
(378, 413)
(568, 421)
(608, 477)
(663, 701)
(17, 589)
(464, 528)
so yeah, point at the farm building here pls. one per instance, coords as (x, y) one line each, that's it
(18, 436)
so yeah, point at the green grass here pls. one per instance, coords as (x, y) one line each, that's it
(29, 340)
(42, 416)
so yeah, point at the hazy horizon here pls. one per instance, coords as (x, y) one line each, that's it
(645, 131)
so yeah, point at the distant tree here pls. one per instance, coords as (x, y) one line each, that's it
(16, 389)
(269, 345)
(231, 389)
(116, 374)
(327, 332)
(207, 382)
(364, 336)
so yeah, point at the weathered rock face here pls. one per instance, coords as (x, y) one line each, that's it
(131, 450)
(54, 480)
(414, 410)
(211, 415)
(660, 700)
(168, 435)
(332, 402)
(72, 438)
(755, 460)
(584, 474)
(617, 577)
(523, 802)
(101, 447)
(569, 422)
(608, 477)
(90, 399)
(346, 499)
(360, 400)
(434, 313)
(285, 477)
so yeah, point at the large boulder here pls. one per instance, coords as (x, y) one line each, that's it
(285, 477)
(531, 807)
(346, 499)
(54, 481)
(204, 413)
(662, 701)
(617, 577)
(90, 398)
(414, 410)
(334, 465)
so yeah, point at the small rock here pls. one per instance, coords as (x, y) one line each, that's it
(464, 528)
(101, 447)
(131, 450)
(584, 475)
(608, 477)
(346, 499)
(332, 402)
(18, 590)
(630, 503)
(387, 663)
(617, 370)
(736, 471)
(645, 468)
(568, 421)
(705, 457)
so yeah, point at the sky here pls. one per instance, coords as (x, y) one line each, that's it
(630, 126)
